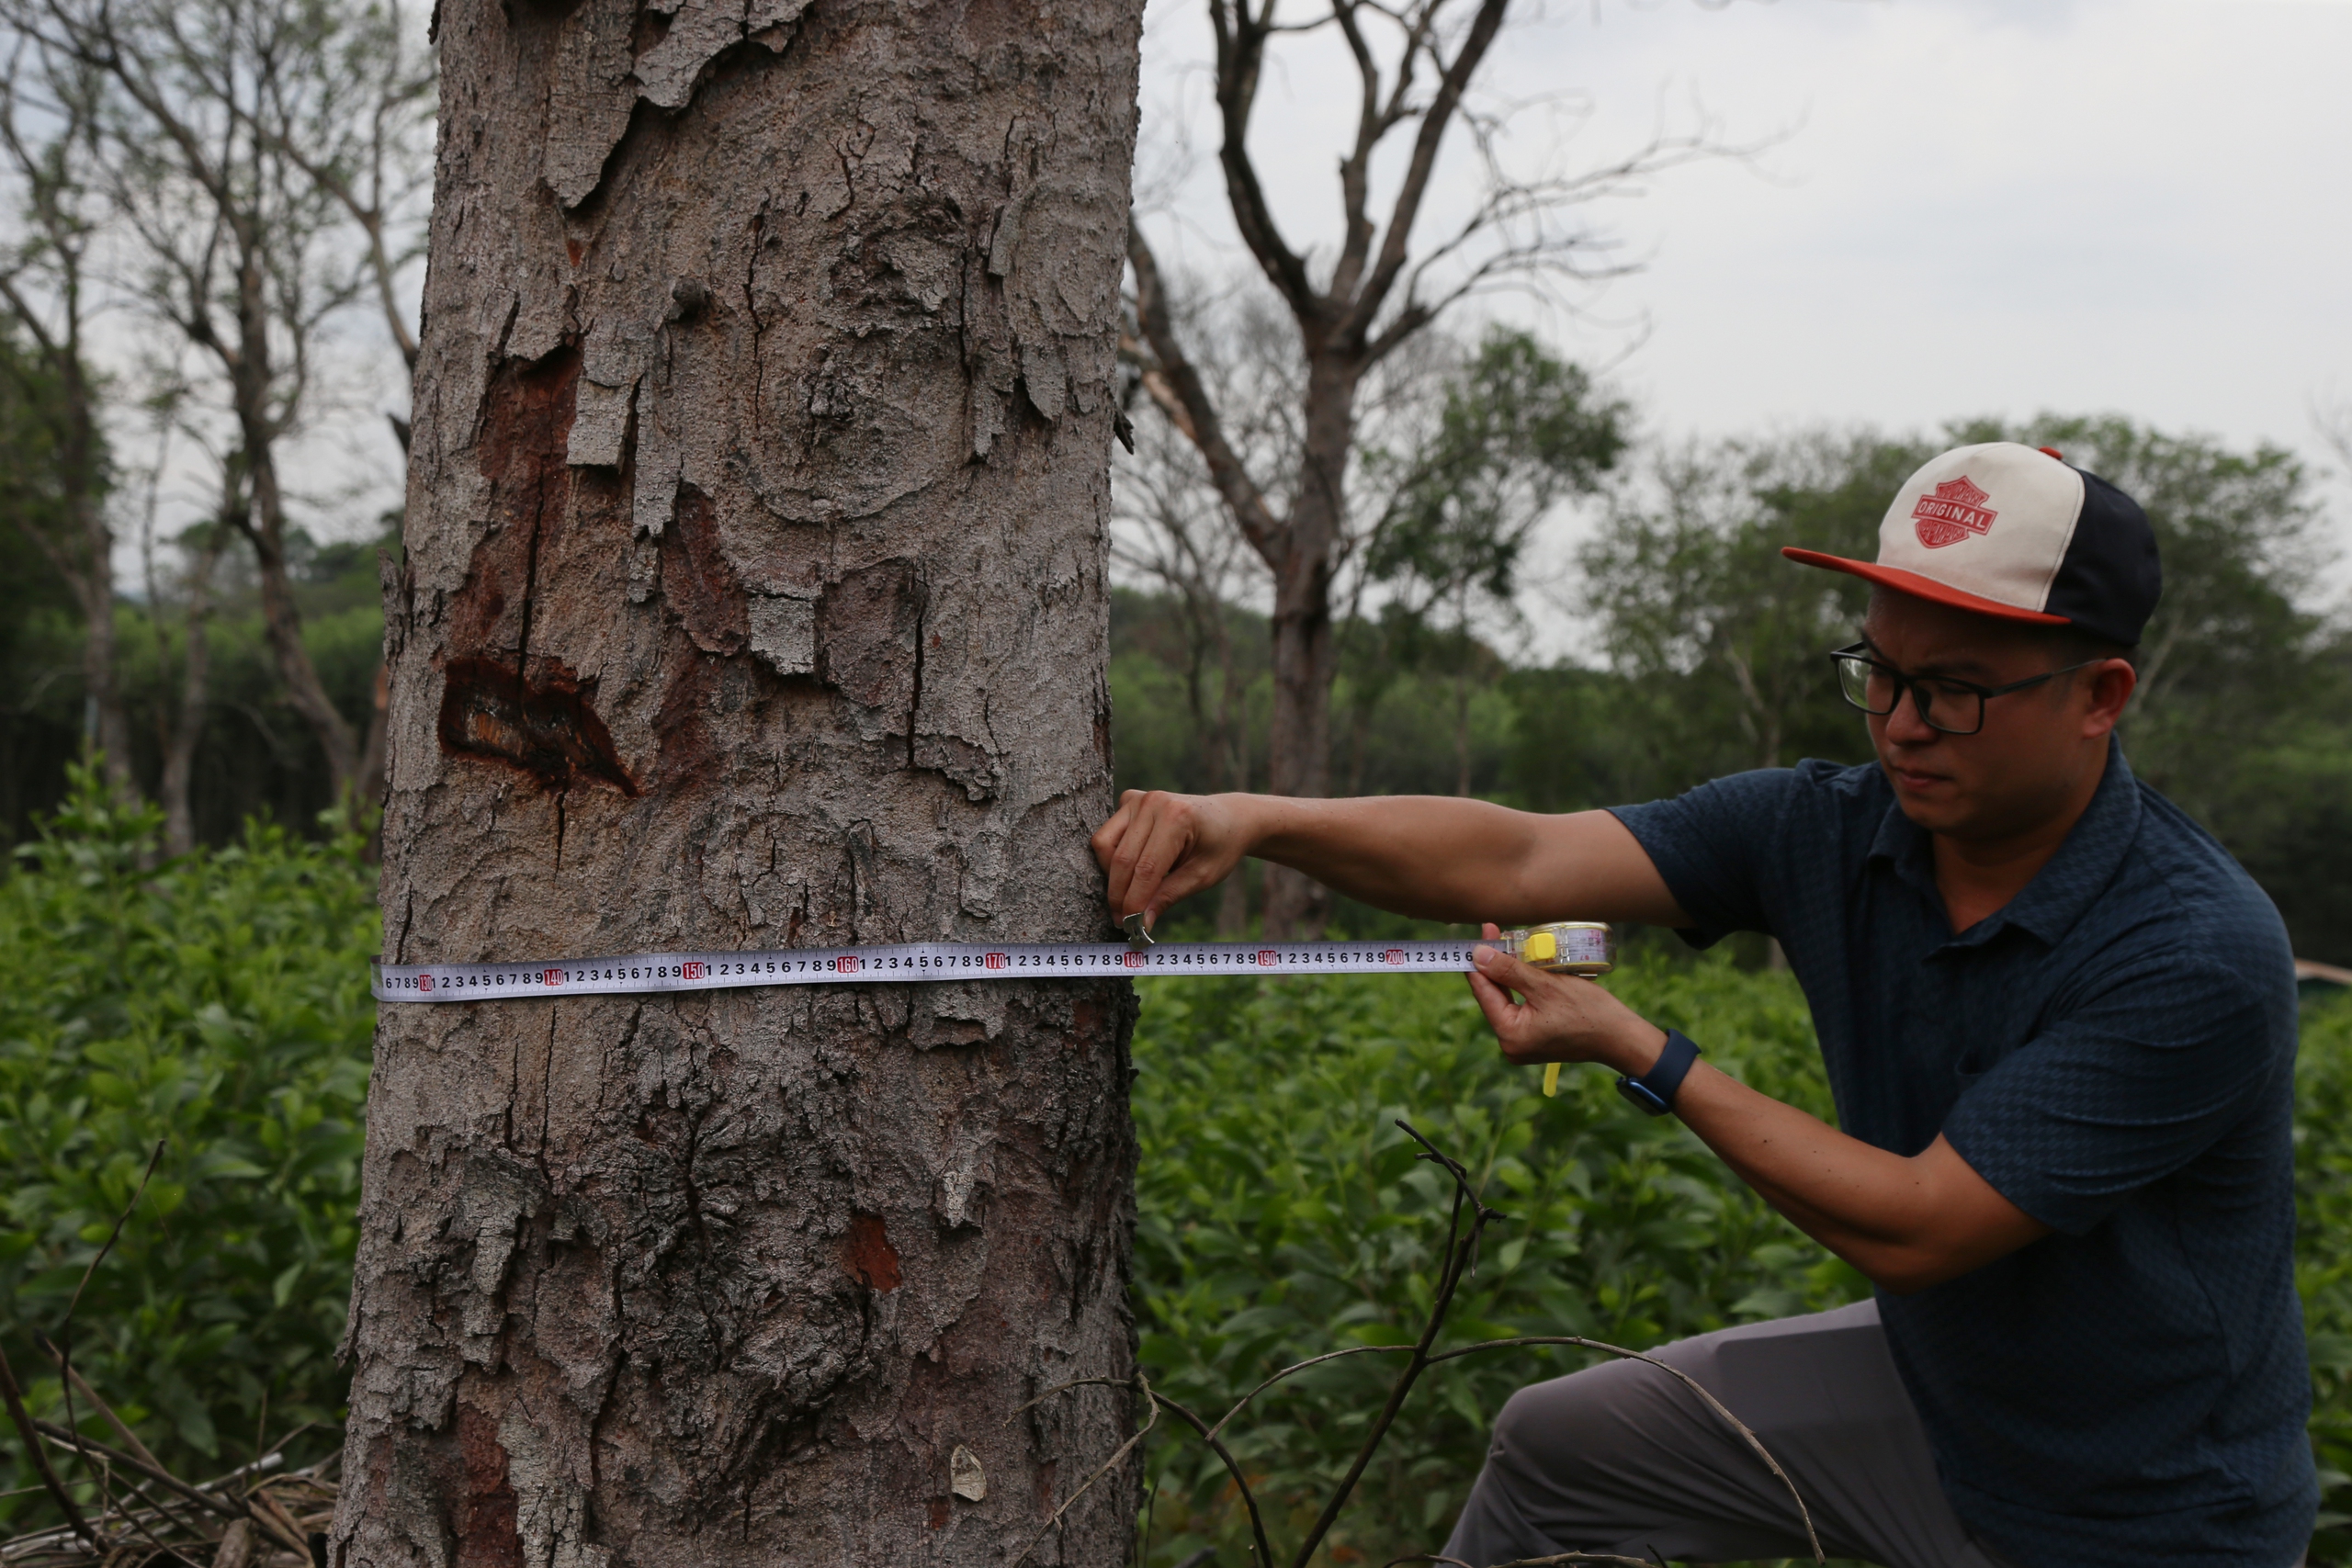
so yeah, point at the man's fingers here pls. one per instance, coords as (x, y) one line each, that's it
(1502, 969)
(1109, 837)
(1191, 873)
(1500, 1010)
(1167, 838)
(1116, 867)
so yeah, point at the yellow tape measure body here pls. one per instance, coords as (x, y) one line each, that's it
(1563, 947)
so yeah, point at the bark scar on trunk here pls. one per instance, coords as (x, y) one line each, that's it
(486, 1537)
(544, 728)
(867, 1256)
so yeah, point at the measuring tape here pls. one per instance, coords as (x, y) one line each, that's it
(1564, 948)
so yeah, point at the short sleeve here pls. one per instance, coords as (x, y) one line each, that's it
(2126, 1089)
(1715, 846)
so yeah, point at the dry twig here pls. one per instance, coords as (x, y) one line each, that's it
(1460, 1253)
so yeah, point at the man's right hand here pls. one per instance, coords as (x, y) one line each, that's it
(1159, 847)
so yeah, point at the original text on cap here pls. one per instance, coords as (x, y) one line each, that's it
(1956, 510)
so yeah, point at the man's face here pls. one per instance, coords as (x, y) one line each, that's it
(2028, 764)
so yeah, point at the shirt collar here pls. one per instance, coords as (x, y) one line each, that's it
(2061, 889)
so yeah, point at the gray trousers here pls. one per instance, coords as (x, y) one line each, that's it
(1623, 1458)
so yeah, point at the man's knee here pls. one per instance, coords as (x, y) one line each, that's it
(1560, 1430)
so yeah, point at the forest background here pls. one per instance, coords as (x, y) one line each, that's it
(1709, 648)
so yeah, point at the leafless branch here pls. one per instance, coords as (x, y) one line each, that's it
(1460, 1253)
(1183, 388)
(30, 1431)
(1151, 1419)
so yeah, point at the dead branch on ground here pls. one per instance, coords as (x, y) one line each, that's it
(1461, 1252)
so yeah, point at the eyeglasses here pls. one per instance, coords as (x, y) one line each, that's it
(1956, 707)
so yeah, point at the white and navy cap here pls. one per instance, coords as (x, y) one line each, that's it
(2017, 532)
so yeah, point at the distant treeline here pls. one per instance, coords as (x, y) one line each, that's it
(1712, 655)
(255, 757)
(1710, 662)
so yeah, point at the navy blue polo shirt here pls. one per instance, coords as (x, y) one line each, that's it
(2114, 1051)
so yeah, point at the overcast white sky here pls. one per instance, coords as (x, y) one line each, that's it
(1968, 206)
(1976, 207)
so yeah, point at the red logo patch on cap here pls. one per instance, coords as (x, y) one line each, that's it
(1952, 514)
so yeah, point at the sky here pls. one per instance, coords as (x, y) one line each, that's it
(1945, 208)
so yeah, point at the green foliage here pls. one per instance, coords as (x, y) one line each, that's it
(1281, 1215)
(2324, 1261)
(1693, 596)
(219, 1004)
(1518, 429)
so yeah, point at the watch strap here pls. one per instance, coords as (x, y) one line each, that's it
(1653, 1090)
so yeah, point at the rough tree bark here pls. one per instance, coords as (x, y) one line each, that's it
(755, 596)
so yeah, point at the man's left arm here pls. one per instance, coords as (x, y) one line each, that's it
(2135, 1084)
(1906, 1222)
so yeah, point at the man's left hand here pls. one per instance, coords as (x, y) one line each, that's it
(1559, 1018)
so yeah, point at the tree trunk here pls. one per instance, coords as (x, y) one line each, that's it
(105, 726)
(1233, 766)
(1299, 753)
(754, 596)
(196, 693)
(281, 618)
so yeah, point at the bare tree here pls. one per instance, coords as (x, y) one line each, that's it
(48, 112)
(1416, 64)
(239, 137)
(180, 722)
(351, 107)
(1173, 537)
(755, 596)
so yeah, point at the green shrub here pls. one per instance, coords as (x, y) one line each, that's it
(219, 1004)
(1282, 1214)
(2323, 1258)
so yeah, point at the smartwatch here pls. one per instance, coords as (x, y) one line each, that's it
(1653, 1090)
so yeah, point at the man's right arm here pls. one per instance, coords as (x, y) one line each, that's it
(1434, 857)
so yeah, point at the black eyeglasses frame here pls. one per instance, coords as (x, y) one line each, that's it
(1862, 653)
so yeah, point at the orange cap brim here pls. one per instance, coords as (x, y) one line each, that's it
(1920, 587)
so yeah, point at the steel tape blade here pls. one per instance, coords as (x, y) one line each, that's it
(905, 961)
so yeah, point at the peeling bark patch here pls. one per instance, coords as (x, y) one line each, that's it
(526, 434)
(486, 1533)
(545, 729)
(696, 578)
(867, 1256)
(527, 424)
(868, 630)
(681, 727)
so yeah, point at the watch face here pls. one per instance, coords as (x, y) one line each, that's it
(1642, 1095)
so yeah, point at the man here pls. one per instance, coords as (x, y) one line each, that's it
(2059, 1023)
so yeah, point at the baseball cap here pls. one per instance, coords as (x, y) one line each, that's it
(2018, 532)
